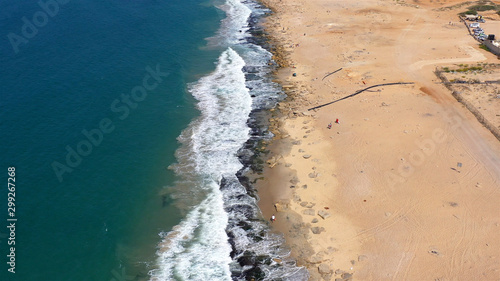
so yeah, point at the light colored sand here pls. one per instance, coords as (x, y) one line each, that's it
(409, 177)
(474, 56)
(485, 95)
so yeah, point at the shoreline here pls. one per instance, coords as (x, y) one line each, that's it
(351, 196)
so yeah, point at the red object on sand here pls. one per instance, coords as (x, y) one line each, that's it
(337, 121)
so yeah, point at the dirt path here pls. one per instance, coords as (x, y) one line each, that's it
(474, 56)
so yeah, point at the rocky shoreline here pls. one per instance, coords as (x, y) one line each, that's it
(297, 231)
(253, 156)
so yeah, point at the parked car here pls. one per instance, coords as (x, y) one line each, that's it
(474, 24)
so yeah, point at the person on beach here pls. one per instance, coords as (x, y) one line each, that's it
(273, 218)
(337, 121)
(330, 125)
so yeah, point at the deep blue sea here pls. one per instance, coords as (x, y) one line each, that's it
(127, 123)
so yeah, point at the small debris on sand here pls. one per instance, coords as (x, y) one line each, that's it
(317, 230)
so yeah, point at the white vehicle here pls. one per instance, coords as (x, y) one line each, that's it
(471, 17)
(474, 24)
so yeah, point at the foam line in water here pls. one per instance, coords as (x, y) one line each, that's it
(235, 26)
(212, 141)
(225, 105)
(223, 235)
(183, 253)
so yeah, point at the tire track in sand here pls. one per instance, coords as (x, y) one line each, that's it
(461, 253)
(474, 56)
(399, 215)
(407, 258)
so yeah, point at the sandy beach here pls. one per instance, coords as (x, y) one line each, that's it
(406, 185)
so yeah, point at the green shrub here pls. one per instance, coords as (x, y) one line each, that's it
(469, 12)
(481, 8)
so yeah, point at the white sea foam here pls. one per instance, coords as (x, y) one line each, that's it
(184, 254)
(234, 27)
(213, 141)
(222, 222)
(225, 105)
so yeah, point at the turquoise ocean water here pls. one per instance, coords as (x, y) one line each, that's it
(127, 123)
